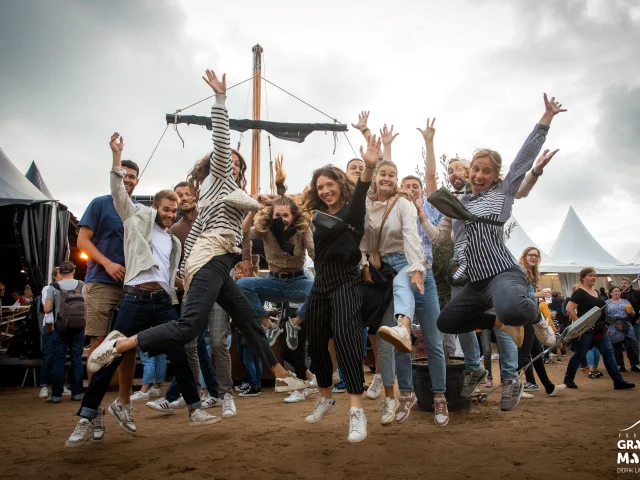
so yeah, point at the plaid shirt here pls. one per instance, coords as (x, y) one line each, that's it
(434, 217)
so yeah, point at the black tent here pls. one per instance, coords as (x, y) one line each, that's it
(34, 233)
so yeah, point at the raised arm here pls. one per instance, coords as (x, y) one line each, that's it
(387, 137)
(309, 245)
(361, 125)
(531, 148)
(532, 177)
(121, 201)
(220, 159)
(438, 233)
(430, 159)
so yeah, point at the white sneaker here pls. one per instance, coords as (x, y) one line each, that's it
(179, 403)
(323, 407)
(200, 418)
(44, 393)
(105, 353)
(228, 406)
(290, 383)
(155, 392)
(375, 389)
(335, 378)
(66, 392)
(211, 402)
(82, 433)
(123, 413)
(313, 383)
(357, 424)
(140, 395)
(396, 336)
(389, 409)
(557, 389)
(544, 332)
(298, 396)
(495, 356)
(526, 395)
(98, 427)
(161, 405)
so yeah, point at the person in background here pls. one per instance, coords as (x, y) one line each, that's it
(70, 341)
(46, 335)
(582, 300)
(633, 297)
(619, 311)
(603, 294)
(561, 319)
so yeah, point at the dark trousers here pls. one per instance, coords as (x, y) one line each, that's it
(137, 314)
(531, 346)
(631, 347)
(296, 357)
(209, 285)
(582, 346)
(334, 310)
(507, 292)
(61, 343)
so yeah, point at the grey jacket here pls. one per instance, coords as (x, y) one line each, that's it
(138, 223)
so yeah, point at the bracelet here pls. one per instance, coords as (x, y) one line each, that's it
(366, 129)
(368, 167)
(533, 172)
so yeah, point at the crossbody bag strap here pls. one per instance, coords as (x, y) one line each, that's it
(490, 222)
(384, 219)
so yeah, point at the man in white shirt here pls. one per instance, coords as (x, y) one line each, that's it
(152, 257)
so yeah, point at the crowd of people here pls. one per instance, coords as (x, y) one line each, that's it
(370, 235)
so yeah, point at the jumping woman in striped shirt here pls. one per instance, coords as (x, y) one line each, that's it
(494, 277)
(208, 258)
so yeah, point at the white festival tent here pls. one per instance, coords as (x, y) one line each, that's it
(574, 249)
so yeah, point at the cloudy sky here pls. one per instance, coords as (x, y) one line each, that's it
(73, 72)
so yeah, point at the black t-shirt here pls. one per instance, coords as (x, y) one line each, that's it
(556, 304)
(343, 244)
(586, 302)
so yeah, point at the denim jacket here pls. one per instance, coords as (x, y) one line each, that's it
(138, 223)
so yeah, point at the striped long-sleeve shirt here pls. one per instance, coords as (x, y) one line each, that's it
(217, 217)
(479, 247)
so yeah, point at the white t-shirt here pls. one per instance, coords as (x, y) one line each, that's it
(48, 317)
(161, 242)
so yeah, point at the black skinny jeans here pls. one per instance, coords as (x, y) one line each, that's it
(209, 285)
(531, 346)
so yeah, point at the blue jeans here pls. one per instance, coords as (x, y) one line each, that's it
(393, 364)
(636, 328)
(583, 345)
(47, 357)
(253, 367)
(506, 346)
(271, 289)
(593, 358)
(403, 299)
(207, 372)
(154, 369)
(61, 343)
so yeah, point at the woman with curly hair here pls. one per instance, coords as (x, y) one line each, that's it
(334, 306)
(529, 261)
(287, 241)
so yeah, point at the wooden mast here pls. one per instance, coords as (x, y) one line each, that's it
(255, 135)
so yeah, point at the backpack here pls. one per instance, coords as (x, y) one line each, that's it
(70, 316)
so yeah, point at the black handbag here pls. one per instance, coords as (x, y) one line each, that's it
(451, 206)
(330, 222)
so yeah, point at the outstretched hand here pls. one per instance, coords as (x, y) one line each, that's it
(552, 107)
(116, 147)
(363, 118)
(371, 156)
(217, 85)
(543, 160)
(387, 136)
(429, 132)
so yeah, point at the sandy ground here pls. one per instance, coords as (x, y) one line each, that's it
(570, 436)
